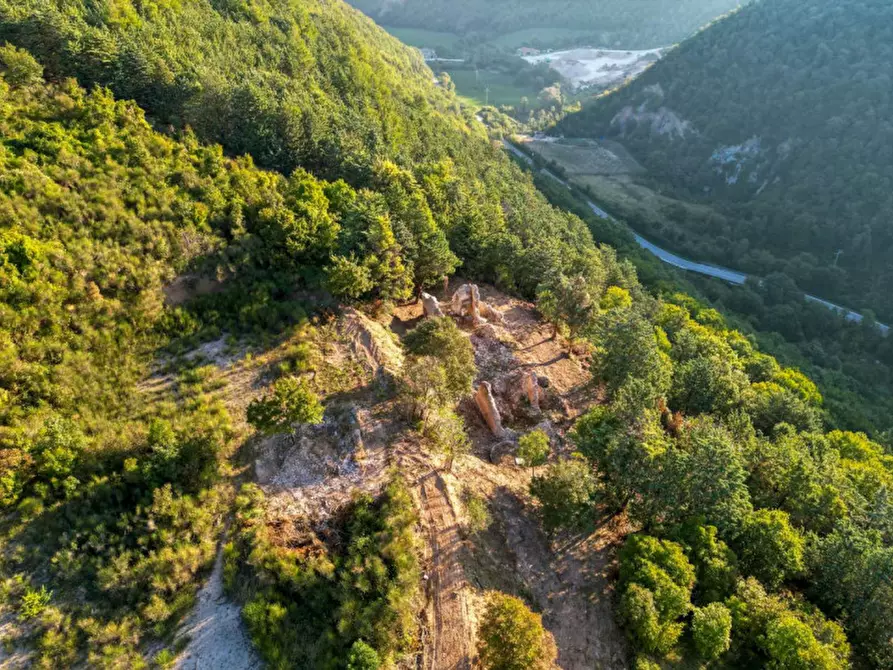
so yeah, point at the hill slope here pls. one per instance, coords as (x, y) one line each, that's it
(119, 431)
(628, 25)
(318, 86)
(781, 112)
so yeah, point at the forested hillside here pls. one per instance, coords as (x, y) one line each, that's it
(779, 115)
(637, 24)
(299, 161)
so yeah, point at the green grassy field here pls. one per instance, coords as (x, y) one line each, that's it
(448, 43)
(547, 37)
(503, 90)
(587, 157)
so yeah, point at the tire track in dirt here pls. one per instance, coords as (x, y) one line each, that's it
(451, 643)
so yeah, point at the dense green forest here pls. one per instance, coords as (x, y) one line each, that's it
(303, 158)
(841, 356)
(778, 116)
(635, 24)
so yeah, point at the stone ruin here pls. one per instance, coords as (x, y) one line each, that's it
(467, 304)
(487, 405)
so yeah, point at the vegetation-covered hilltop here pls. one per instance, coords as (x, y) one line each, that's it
(641, 24)
(298, 159)
(778, 115)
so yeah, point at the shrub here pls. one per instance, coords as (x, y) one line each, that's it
(441, 339)
(711, 629)
(34, 601)
(292, 401)
(565, 493)
(656, 582)
(533, 448)
(478, 514)
(770, 548)
(511, 637)
(363, 657)
(19, 67)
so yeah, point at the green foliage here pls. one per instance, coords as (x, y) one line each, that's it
(446, 432)
(627, 348)
(363, 657)
(770, 404)
(773, 631)
(715, 564)
(18, 67)
(424, 387)
(616, 298)
(534, 448)
(565, 493)
(511, 637)
(292, 401)
(770, 548)
(347, 279)
(34, 601)
(852, 571)
(479, 518)
(55, 452)
(766, 163)
(442, 339)
(656, 582)
(107, 226)
(711, 629)
(567, 302)
(352, 605)
(707, 386)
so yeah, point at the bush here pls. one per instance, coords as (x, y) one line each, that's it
(770, 548)
(711, 629)
(441, 339)
(656, 581)
(511, 637)
(19, 67)
(533, 448)
(34, 601)
(565, 493)
(478, 514)
(292, 401)
(363, 657)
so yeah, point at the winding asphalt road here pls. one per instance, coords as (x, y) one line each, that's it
(732, 276)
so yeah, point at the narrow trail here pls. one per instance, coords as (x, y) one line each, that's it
(451, 636)
(217, 637)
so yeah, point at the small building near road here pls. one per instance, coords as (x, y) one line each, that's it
(528, 51)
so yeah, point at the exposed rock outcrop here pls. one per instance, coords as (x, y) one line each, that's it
(431, 306)
(467, 304)
(487, 405)
(372, 343)
(532, 389)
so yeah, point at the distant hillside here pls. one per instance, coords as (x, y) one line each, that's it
(781, 114)
(633, 24)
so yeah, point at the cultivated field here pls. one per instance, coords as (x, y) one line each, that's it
(581, 157)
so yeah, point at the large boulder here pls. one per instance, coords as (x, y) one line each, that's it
(431, 306)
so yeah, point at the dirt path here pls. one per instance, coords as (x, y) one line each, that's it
(217, 635)
(571, 585)
(451, 635)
